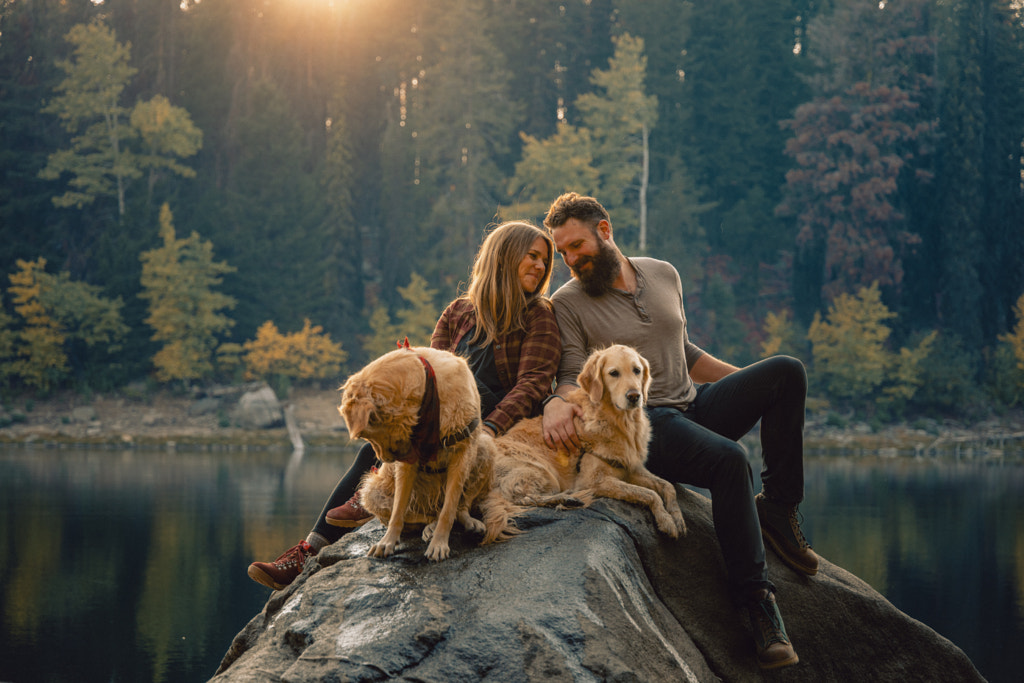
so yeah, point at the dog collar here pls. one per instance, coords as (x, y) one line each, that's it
(452, 439)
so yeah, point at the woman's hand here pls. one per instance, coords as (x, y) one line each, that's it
(558, 424)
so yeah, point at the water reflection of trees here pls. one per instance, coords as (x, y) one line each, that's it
(139, 557)
(135, 557)
(943, 540)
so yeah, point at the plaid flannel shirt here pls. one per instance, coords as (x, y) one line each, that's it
(526, 360)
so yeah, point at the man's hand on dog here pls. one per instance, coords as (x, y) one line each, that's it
(559, 425)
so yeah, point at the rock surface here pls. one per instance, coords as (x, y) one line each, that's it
(585, 595)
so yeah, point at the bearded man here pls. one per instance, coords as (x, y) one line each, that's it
(699, 408)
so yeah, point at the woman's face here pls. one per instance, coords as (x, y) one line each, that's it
(533, 266)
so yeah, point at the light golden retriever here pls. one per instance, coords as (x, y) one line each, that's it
(614, 432)
(381, 404)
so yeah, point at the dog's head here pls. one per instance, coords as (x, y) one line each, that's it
(380, 403)
(618, 373)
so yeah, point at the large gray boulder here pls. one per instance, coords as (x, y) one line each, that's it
(258, 409)
(583, 595)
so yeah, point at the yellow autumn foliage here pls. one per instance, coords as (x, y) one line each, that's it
(852, 356)
(40, 358)
(54, 311)
(307, 354)
(782, 335)
(179, 280)
(1015, 338)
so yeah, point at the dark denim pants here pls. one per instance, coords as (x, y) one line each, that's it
(698, 447)
(345, 489)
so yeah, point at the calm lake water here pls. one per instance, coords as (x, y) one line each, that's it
(130, 565)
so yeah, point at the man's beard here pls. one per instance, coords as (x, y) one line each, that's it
(605, 268)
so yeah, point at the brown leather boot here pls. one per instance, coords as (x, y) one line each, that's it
(773, 647)
(351, 514)
(281, 572)
(780, 526)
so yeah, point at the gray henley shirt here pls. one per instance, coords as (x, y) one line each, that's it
(652, 321)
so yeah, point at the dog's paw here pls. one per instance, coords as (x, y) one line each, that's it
(382, 548)
(666, 524)
(473, 525)
(677, 517)
(437, 551)
(428, 531)
(571, 503)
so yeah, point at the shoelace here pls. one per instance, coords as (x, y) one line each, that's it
(794, 524)
(769, 623)
(298, 555)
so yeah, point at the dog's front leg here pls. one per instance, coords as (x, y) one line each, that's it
(644, 477)
(438, 549)
(405, 479)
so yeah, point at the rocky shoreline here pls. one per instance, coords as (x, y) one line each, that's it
(164, 418)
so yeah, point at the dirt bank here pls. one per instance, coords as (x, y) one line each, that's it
(162, 417)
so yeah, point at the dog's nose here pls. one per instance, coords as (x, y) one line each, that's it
(633, 396)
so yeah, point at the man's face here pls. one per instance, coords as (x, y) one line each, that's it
(592, 261)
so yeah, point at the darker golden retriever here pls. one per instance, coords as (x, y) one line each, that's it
(420, 409)
(614, 431)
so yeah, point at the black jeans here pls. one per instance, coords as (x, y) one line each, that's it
(698, 447)
(344, 490)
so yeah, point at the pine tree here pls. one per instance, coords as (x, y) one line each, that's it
(186, 314)
(860, 148)
(607, 155)
(549, 167)
(620, 115)
(88, 104)
(8, 340)
(416, 321)
(112, 144)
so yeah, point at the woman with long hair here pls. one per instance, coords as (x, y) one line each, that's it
(505, 328)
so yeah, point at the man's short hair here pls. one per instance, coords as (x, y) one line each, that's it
(571, 205)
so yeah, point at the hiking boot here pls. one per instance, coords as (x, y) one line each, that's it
(349, 515)
(780, 525)
(770, 640)
(281, 572)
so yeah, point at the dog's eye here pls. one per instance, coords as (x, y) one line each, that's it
(636, 370)
(613, 373)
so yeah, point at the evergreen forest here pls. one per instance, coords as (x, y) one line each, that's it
(199, 191)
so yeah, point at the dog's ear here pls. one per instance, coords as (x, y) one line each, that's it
(357, 415)
(647, 376)
(590, 377)
(356, 407)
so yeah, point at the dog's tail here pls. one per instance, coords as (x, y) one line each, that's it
(499, 517)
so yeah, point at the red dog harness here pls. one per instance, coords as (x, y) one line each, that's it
(426, 435)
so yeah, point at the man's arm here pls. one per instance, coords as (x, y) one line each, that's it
(707, 368)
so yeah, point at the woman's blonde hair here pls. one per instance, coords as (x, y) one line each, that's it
(494, 286)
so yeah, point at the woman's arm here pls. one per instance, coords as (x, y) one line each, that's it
(539, 354)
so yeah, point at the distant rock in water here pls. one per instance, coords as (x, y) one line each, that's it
(583, 595)
(258, 409)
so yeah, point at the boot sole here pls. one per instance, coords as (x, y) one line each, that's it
(786, 559)
(767, 666)
(348, 523)
(261, 577)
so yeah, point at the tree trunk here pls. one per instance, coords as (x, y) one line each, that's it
(645, 174)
